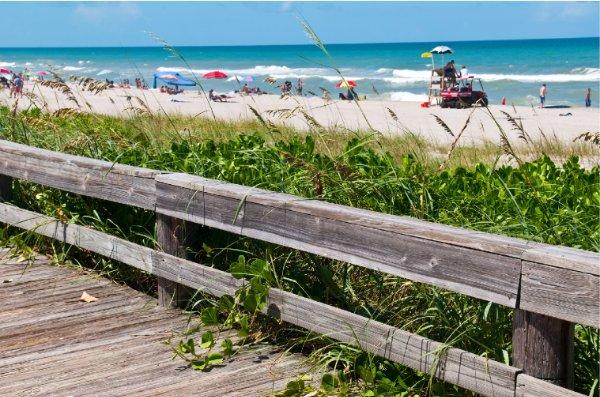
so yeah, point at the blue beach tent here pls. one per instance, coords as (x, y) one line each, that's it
(167, 77)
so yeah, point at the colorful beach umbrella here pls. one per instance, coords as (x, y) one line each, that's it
(249, 79)
(168, 77)
(426, 55)
(215, 75)
(346, 84)
(4, 71)
(42, 73)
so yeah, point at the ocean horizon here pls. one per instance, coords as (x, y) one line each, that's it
(513, 69)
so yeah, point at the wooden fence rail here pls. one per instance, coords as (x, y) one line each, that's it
(549, 287)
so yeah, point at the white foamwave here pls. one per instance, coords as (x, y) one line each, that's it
(542, 78)
(404, 96)
(72, 68)
(594, 71)
(392, 76)
(103, 71)
(407, 76)
(258, 70)
(8, 64)
(28, 64)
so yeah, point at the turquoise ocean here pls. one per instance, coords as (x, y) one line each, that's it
(513, 69)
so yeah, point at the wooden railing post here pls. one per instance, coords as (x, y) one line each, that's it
(543, 347)
(174, 237)
(5, 188)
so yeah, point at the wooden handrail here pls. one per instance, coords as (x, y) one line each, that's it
(556, 282)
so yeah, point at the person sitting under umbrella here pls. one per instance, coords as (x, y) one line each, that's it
(350, 95)
(450, 72)
(245, 89)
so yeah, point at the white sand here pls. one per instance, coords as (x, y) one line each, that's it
(411, 117)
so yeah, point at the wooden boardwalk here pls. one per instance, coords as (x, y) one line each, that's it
(53, 344)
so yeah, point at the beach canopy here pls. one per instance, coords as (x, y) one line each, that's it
(173, 78)
(217, 74)
(4, 71)
(441, 49)
(346, 84)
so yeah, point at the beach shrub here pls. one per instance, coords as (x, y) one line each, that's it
(538, 200)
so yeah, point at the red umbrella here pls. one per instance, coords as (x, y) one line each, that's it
(346, 84)
(215, 75)
(4, 71)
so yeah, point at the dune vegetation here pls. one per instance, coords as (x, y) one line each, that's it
(496, 189)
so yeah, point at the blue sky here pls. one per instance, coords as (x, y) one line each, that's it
(68, 24)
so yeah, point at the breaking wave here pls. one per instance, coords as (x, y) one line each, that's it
(391, 76)
(404, 96)
(72, 68)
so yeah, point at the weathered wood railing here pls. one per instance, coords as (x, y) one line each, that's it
(549, 287)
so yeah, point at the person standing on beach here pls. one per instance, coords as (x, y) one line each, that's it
(588, 98)
(18, 85)
(299, 86)
(542, 95)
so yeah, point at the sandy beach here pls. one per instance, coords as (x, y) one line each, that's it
(564, 123)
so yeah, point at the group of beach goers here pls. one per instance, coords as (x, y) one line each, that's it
(587, 99)
(371, 114)
(14, 81)
(14, 84)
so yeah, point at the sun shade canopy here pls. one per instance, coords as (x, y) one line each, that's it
(441, 49)
(217, 74)
(173, 78)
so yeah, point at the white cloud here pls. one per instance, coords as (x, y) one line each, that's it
(97, 13)
(286, 6)
(572, 11)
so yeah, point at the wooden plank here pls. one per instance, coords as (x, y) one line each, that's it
(398, 224)
(528, 386)
(543, 347)
(561, 292)
(285, 220)
(94, 178)
(454, 365)
(564, 257)
(182, 271)
(83, 237)
(174, 237)
(194, 275)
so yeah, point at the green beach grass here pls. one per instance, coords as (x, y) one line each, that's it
(539, 200)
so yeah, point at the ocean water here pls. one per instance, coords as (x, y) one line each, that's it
(513, 69)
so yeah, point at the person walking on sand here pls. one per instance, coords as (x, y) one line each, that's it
(588, 98)
(543, 95)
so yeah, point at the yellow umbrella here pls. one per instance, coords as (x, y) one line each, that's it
(426, 55)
